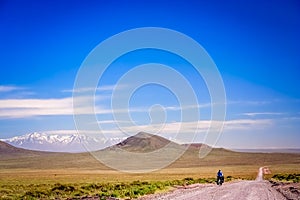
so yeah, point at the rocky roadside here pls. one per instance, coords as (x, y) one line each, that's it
(291, 191)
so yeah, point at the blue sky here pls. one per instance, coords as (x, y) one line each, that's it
(254, 44)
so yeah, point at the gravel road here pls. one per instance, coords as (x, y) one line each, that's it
(252, 190)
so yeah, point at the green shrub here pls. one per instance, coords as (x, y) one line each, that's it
(287, 177)
(122, 190)
(65, 188)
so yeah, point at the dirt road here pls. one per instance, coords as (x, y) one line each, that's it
(252, 190)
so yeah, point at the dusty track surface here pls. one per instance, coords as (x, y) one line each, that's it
(252, 190)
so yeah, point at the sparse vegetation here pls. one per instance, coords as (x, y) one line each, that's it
(295, 178)
(121, 190)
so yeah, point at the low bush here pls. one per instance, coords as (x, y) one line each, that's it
(287, 177)
(101, 190)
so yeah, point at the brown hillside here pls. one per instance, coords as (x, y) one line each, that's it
(8, 151)
(144, 142)
(7, 148)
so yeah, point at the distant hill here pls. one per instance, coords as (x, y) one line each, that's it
(196, 146)
(7, 148)
(18, 158)
(144, 142)
(9, 151)
(153, 151)
(274, 150)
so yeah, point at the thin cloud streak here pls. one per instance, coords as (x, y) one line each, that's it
(255, 103)
(253, 114)
(5, 88)
(24, 108)
(190, 127)
(100, 88)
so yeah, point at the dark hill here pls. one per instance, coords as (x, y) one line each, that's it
(9, 151)
(7, 148)
(144, 142)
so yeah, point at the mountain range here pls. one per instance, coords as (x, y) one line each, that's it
(17, 158)
(74, 143)
(60, 142)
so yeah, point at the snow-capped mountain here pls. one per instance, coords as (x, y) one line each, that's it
(61, 142)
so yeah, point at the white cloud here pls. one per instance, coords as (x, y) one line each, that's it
(247, 124)
(19, 108)
(111, 121)
(175, 108)
(35, 103)
(61, 132)
(167, 108)
(253, 114)
(255, 103)
(4, 88)
(22, 108)
(190, 127)
(100, 88)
